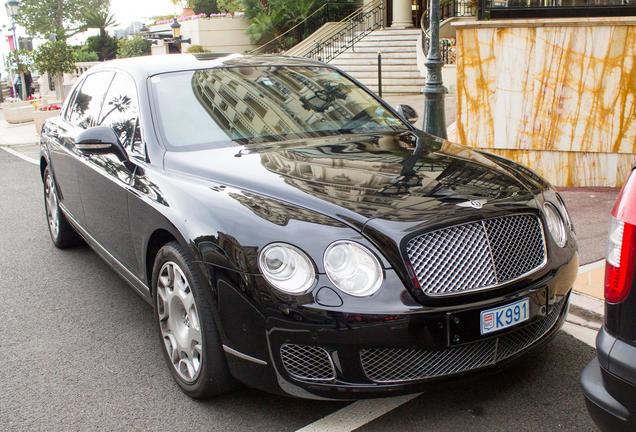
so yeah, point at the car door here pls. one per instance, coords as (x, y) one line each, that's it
(83, 107)
(105, 180)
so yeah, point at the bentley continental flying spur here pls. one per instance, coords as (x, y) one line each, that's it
(295, 233)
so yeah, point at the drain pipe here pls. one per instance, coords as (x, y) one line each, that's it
(379, 73)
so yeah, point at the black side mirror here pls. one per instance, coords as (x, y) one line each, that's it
(408, 112)
(100, 140)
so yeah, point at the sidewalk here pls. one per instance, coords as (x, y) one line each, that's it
(19, 138)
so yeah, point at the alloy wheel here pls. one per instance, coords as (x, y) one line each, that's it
(52, 211)
(179, 321)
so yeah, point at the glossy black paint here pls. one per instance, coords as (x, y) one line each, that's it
(225, 204)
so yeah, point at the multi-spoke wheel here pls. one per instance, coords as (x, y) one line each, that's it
(179, 321)
(187, 329)
(62, 234)
(50, 195)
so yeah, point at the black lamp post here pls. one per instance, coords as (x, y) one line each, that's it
(434, 121)
(12, 11)
(176, 35)
(12, 7)
(176, 28)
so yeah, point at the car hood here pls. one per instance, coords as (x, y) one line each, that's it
(382, 181)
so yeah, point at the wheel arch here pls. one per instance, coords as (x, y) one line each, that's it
(158, 239)
(43, 164)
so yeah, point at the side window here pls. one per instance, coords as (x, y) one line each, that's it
(120, 112)
(84, 110)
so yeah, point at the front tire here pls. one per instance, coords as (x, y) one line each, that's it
(189, 338)
(62, 233)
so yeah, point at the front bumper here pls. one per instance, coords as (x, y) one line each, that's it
(354, 356)
(609, 384)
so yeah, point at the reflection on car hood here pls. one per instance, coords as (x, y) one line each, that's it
(357, 178)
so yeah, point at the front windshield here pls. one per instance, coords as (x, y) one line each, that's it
(213, 107)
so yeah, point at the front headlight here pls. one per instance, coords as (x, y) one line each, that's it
(353, 268)
(287, 268)
(556, 225)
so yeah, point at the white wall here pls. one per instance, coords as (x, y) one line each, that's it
(218, 34)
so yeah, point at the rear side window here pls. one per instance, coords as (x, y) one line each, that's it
(121, 113)
(86, 106)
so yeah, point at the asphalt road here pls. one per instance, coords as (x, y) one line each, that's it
(78, 351)
(589, 209)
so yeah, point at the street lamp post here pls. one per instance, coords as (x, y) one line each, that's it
(12, 7)
(434, 121)
(177, 40)
(12, 11)
(176, 28)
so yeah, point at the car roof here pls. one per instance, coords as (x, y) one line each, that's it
(143, 67)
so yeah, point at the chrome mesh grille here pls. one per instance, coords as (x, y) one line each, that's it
(401, 364)
(477, 255)
(307, 363)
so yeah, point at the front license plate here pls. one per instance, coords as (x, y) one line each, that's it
(496, 319)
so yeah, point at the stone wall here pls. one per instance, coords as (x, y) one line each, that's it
(556, 95)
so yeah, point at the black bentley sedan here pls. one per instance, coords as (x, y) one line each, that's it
(296, 234)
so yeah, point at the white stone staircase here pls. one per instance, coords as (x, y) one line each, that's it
(400, 73)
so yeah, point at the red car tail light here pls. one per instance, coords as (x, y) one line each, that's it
(621, 248)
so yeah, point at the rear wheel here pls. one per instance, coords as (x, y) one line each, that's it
(189, 337)
(62, 233)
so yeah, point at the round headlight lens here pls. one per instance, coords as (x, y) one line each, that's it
(556, 225)
(287, 268)
(353, 268)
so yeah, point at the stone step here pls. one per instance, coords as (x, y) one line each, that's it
(409, 63)
(396, 89)
(372, 67)
(393, 82)
(373, 74)
(389, 32)
(384, 48)
(364, 55)
(386, 40)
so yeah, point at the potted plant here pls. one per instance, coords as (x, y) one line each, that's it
(45, 112)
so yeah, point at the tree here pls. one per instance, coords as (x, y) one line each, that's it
(133, 47)
(101, 20)
(55, 58)
(105, 46)
(84, 54)
(229, 6)
(62, 18)
(20, 62)
(203, 6)
(269, 19)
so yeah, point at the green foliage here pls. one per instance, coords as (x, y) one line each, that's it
(162, 17)
(195, 49)
(19, 61)
(229, 6)
(62, 18)
(203, 6)
(133, 47)
(269, 19)
(101, 20)
(84, 54)
(105, 46)
(54, 57)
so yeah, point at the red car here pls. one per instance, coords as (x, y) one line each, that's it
(609, 381)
